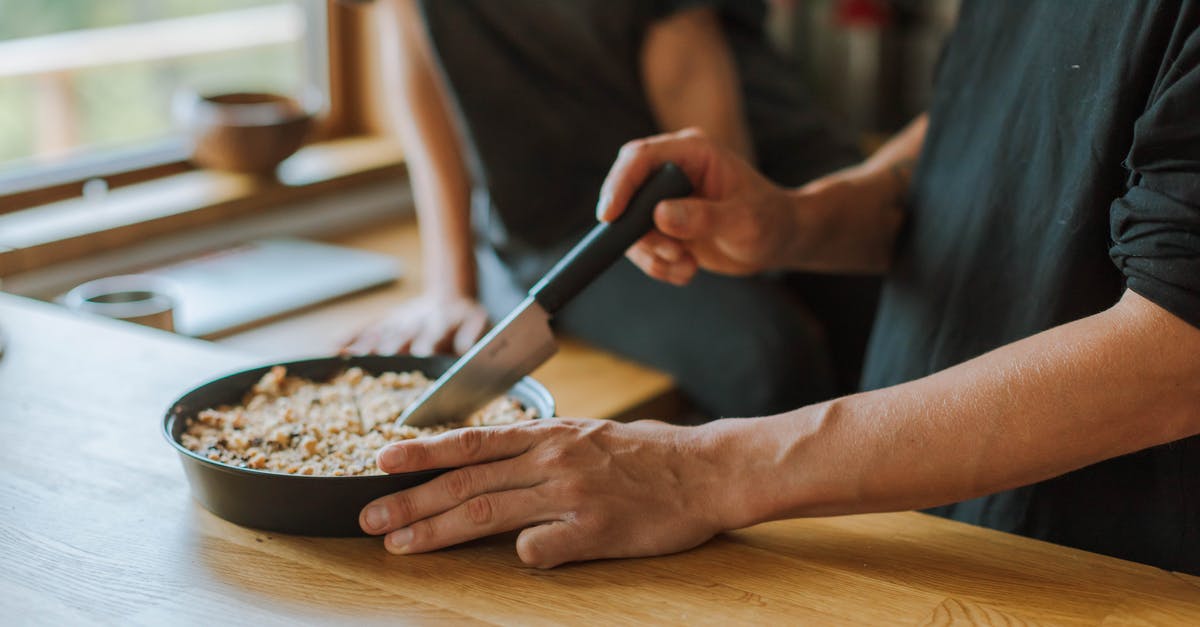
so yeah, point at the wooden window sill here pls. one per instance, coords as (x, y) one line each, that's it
(72, 229)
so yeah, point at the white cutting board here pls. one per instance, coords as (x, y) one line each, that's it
(237, 286)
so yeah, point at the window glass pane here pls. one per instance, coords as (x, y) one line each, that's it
(81, 77)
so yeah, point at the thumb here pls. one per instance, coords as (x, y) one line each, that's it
(549, 544)
(686, 218)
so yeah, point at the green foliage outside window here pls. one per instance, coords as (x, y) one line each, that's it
(129, 103)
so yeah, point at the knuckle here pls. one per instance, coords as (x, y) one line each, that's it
(658, 268)
(663, 265)
(642, 257)
(481, 510)
(554, 427)
(555, 457)
(416, 457)
(402, 508)
(423, 533)
(593, 520)
(631, 148)
(574, 492)
(470, 442)
(460, 484)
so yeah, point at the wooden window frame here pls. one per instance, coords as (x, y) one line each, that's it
(351, 146)
(351, 110)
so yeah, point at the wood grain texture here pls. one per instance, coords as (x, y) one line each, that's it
(97, 527)
(575, 376)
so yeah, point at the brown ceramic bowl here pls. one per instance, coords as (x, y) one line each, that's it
(246, 132)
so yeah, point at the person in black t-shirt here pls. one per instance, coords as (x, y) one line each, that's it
(1035, 364)
(510, 112)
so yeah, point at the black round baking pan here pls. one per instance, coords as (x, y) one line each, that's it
(300, 504)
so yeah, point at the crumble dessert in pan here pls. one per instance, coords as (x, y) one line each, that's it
(293, 425)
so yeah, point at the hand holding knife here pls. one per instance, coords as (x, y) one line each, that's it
(523, 340)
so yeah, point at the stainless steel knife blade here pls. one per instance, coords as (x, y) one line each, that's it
(513, 349)
(523, 340)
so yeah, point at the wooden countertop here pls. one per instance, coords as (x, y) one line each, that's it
(97, 526)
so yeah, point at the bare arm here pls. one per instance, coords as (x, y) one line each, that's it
(446, 316)
(690, 78)
(417, 101)
(1106, 385)
(1113, 383)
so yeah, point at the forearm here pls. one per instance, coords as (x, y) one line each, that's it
(440, 183)
(1110, 384)
(690, 79)
(858, 235)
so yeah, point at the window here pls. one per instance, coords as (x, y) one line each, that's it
(86, 88)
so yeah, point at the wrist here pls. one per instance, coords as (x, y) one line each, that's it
(882, 184)
(892, 166)
(781, 466)
(447, 294)
(845, 222)
(451, 284)
(743, 489)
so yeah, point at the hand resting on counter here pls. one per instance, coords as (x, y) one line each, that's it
(425, 325)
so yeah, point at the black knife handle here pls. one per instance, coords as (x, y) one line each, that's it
(607, 241)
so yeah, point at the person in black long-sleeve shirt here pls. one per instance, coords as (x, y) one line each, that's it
(511, 112)
(1035, 363)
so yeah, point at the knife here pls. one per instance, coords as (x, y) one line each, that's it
(523, 340)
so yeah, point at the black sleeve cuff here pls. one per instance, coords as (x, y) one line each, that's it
(1156, 245)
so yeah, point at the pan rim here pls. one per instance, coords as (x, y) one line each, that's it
(171, 415)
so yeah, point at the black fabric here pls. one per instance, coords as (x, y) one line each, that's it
(547, 92)
(1155, 228)
(1061, 167)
